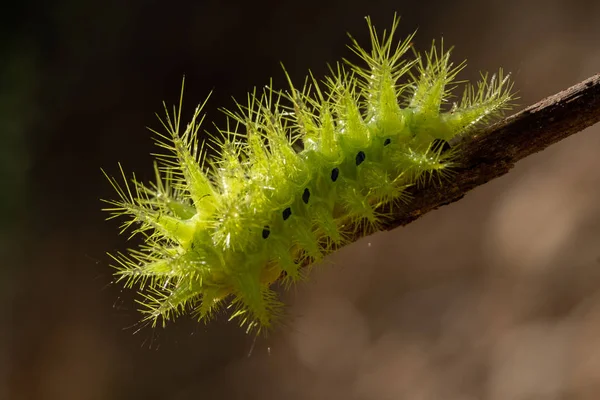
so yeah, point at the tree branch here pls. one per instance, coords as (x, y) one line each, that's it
(495, 150)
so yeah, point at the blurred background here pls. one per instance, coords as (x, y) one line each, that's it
(494, 297)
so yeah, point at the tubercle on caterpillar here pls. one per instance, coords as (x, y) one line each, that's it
(223, 229)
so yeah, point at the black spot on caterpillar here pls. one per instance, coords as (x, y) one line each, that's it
(334, 174)
(360, 157)
(205, 220)
(266, 232)
(306, 196)
(286, 213)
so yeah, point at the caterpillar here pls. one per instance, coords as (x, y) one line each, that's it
(293, 176)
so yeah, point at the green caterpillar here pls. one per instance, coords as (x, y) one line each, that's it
(296, 174)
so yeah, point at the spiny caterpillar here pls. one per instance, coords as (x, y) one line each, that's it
(296, 175)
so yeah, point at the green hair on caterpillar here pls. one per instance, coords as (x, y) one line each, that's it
(294, 176)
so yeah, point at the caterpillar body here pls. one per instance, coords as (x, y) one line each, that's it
(293, 177)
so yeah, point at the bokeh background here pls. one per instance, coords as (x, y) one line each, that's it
(494, 297)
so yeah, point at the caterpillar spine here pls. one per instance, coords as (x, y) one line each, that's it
(292, 177)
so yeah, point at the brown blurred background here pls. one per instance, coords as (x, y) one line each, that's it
(494, 297)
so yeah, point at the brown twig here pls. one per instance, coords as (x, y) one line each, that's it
(495, 150)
